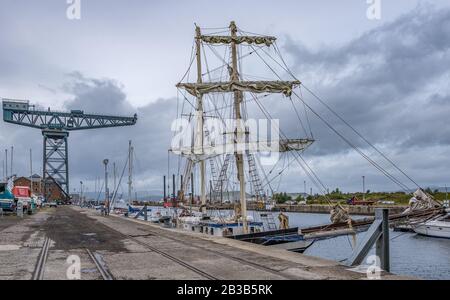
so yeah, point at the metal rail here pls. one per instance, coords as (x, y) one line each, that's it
(39, 269)
(173, 258)
(104, 272)
(238, 259)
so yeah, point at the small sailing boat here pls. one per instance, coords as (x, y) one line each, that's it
(436, 227)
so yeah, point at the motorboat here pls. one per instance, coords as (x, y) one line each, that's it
(436, 227)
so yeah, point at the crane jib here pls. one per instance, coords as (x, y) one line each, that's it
(55, 127)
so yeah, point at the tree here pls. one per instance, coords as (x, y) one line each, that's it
(281, 197)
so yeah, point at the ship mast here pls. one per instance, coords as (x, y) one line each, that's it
(130, 173)
(199, 129)
(239, 131)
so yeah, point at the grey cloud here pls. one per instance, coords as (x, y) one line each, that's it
(391, 83)
(378, 81)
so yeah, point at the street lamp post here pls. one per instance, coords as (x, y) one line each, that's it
(304, 183)
(81, 193)
(446, 193)
(364, 187)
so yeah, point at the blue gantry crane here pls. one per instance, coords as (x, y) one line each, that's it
(55, 127)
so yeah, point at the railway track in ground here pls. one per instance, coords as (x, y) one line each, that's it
(99, 264)
(168, 256)
(39, 269)
(218, 253)
(238, 259)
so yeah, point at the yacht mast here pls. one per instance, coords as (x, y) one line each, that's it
(130, 172)
(199, 129)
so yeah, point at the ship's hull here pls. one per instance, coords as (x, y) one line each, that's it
(434, 229)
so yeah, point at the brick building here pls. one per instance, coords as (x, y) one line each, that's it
(54, 191)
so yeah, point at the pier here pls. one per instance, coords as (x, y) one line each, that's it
(116, 248)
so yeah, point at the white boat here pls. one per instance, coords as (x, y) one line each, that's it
(438, 227)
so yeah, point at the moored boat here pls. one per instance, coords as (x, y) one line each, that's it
(437, 227)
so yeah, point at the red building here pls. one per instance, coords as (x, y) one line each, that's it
(53, 190)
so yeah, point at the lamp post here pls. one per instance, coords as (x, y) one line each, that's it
(304, 183)
(446, 193)
(364, 187)
(81, 192)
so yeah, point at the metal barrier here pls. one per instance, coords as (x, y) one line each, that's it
(377, 234)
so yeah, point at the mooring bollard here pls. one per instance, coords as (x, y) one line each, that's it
(19, 209)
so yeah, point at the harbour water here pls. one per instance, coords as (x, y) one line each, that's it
(411, 254)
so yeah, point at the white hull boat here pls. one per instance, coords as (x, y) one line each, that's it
(439, 227)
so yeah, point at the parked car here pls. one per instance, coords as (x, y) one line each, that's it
(50, 204)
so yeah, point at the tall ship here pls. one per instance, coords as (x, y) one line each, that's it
(227, 141)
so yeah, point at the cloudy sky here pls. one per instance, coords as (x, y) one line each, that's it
(389, 78)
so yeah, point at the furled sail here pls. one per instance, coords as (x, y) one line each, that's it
(295, 144)
(421, 201)
(197, 153)
(198, 89)
(226, 39)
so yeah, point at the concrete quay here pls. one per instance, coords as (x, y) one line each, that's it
(43, 246)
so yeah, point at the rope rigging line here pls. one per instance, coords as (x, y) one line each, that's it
(382, 170)
(306, 115)
(191, 62)
(286, 68)
(306, 171)
(372, 162)
(309, 174)
(362, 137)
(298, 116)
